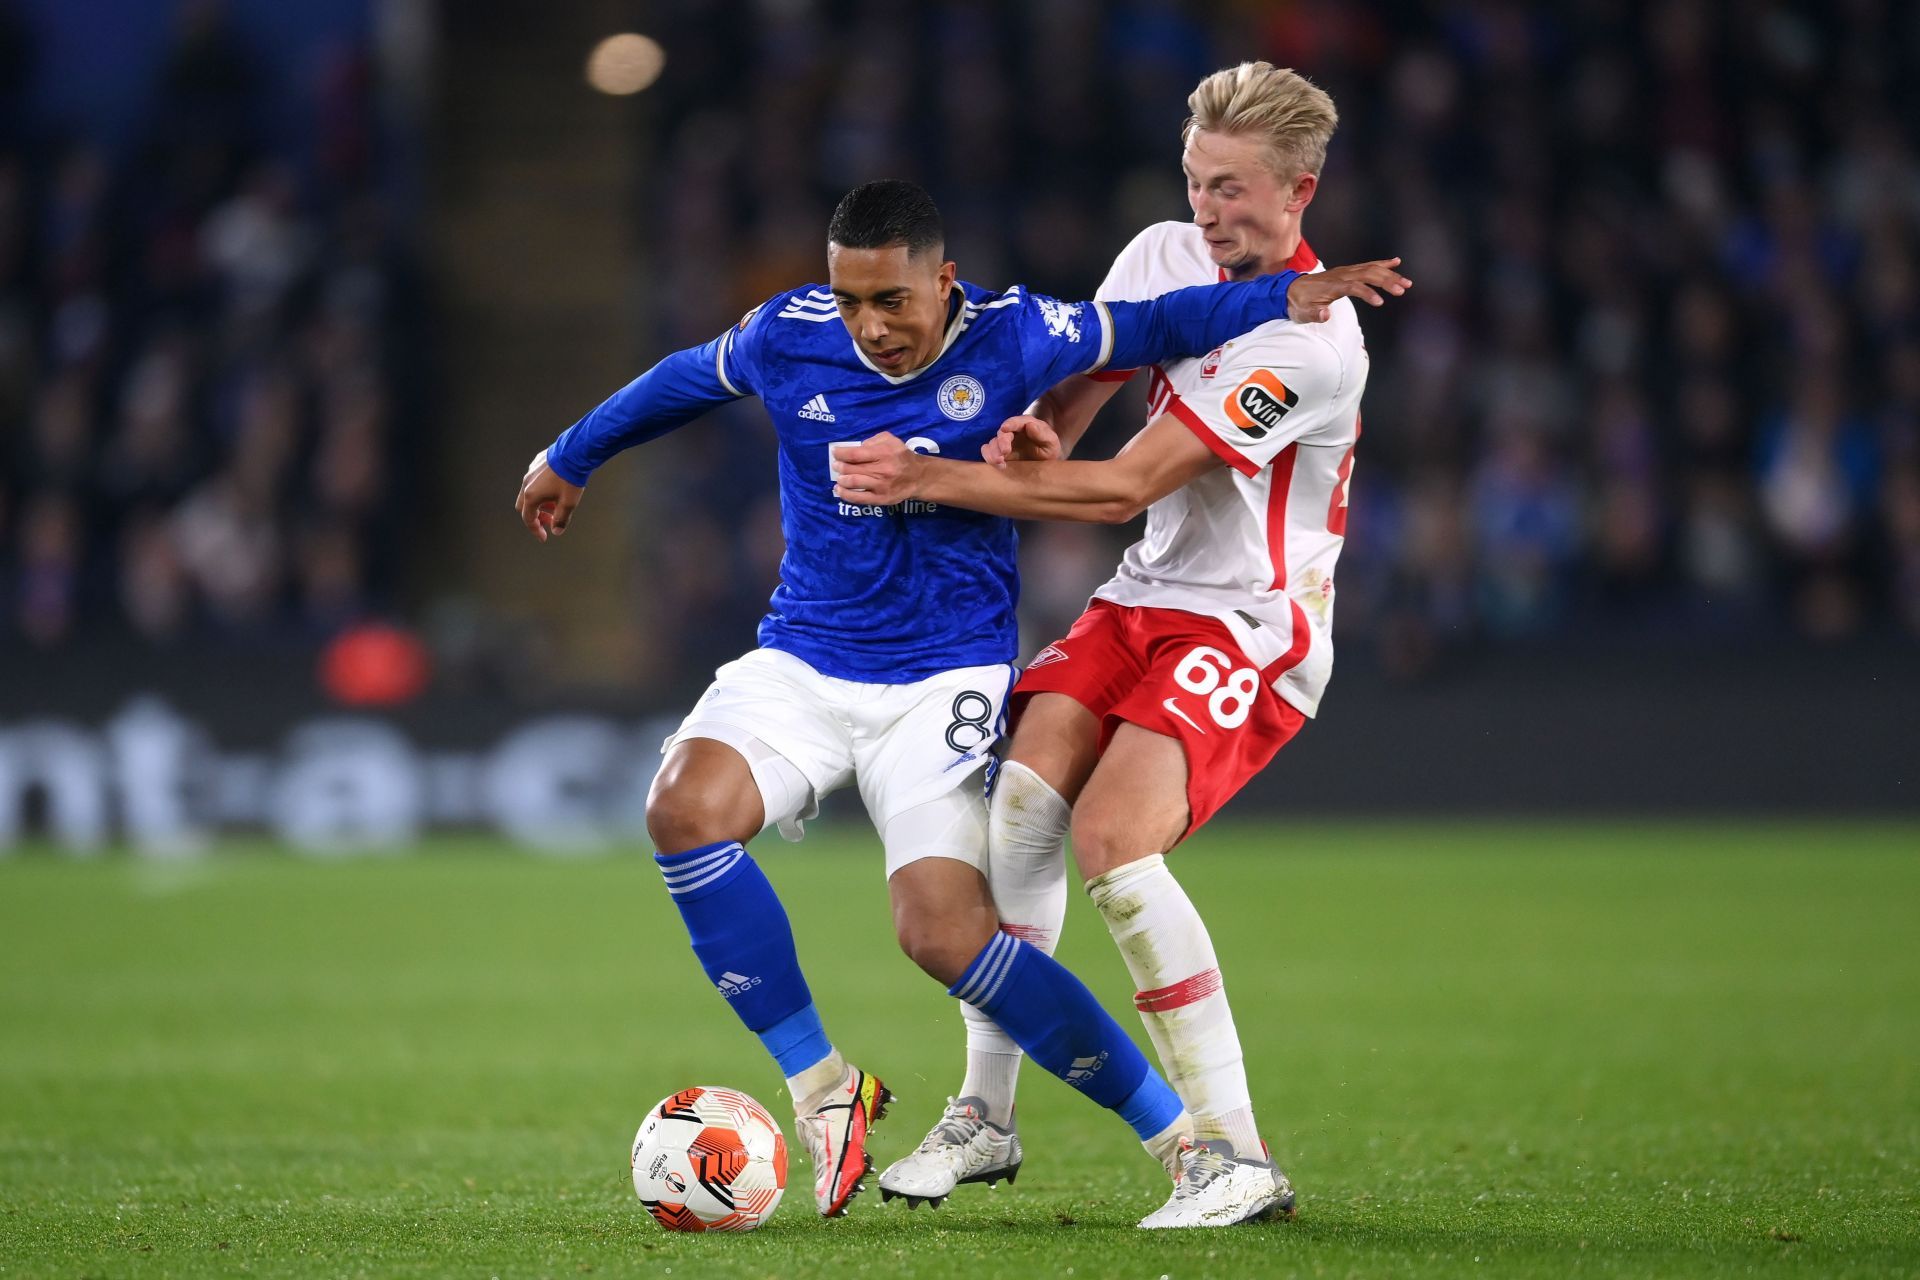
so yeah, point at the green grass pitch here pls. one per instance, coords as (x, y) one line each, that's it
(1480, 1050)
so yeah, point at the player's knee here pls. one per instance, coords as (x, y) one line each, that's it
(942, 948)
(1095, 844)
(1102, 842)
(685, 812)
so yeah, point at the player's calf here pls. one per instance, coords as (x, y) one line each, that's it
(1051, 1014)
(1182, 997)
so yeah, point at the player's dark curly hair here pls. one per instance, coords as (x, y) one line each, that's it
(891, 211)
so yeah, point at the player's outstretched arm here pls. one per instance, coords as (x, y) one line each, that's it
(1166, 455)
(671, 394)
(1310, 299)
(1195, 320)
(1054, 423)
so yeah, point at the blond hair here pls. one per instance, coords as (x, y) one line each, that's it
(1277, 105)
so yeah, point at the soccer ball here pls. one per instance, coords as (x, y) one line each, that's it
(709, 1159)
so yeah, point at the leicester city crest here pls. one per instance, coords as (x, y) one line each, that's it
(961, 397)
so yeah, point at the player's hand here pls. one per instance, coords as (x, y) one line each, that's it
(1022, 438)
(1310, 299)
(546, 502)
(880, 470)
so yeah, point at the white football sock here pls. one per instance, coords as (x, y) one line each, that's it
(1166, 1145)
(993, 1067)
(1027, 855)
(1181, 998)
(810, 1088)
(1027, 872)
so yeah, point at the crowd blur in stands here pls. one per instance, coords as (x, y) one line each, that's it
(196, 356)
(1660, 370)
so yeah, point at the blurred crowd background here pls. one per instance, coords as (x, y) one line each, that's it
(1661, 368)
(204, 351)
(1660, 374)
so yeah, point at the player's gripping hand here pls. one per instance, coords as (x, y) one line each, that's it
(1022, 438)
(1310, 299)
(546, 502)
(880, 470)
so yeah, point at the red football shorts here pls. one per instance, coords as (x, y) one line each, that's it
(1176, 673)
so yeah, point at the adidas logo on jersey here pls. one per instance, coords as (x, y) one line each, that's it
(817, 410)
(732, 984)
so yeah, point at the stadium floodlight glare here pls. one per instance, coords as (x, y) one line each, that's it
(625, 63)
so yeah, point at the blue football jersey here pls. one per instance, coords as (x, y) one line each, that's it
(894, 594)
(891, 594)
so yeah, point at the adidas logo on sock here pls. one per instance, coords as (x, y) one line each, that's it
(1083, 1069)
(732, 984)
(817, 410)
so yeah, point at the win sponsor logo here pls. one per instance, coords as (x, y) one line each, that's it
(1257, 405)
(816, 409)
(732, 984)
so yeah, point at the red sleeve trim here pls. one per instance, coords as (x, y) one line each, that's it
(1228, 454)
(1113, 375)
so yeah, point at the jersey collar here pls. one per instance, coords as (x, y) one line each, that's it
(955, 325)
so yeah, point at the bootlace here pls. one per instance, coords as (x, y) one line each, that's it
(1202, 1166)
(958, 1126)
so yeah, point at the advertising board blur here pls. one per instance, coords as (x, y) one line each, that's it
(159, 781)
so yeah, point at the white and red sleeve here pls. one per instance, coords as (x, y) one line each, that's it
(1271, 389)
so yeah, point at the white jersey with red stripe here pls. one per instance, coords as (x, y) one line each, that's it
(1252, 543)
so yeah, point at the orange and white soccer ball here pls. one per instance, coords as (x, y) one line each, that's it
(709, 1159)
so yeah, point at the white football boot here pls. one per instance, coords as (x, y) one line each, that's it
(835, 1136)
(963, 1147)
(1216, 1189)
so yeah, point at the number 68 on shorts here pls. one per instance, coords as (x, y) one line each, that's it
(1174, 673)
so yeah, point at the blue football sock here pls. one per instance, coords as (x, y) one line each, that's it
(741, 936)
(1051, 1014)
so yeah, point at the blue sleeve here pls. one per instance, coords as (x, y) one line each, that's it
(1057, 339)
(1190, 322)
(672, 393)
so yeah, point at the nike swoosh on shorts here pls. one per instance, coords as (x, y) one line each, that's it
(1174, 707)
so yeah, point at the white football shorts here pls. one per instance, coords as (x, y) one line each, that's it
(917, 751)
